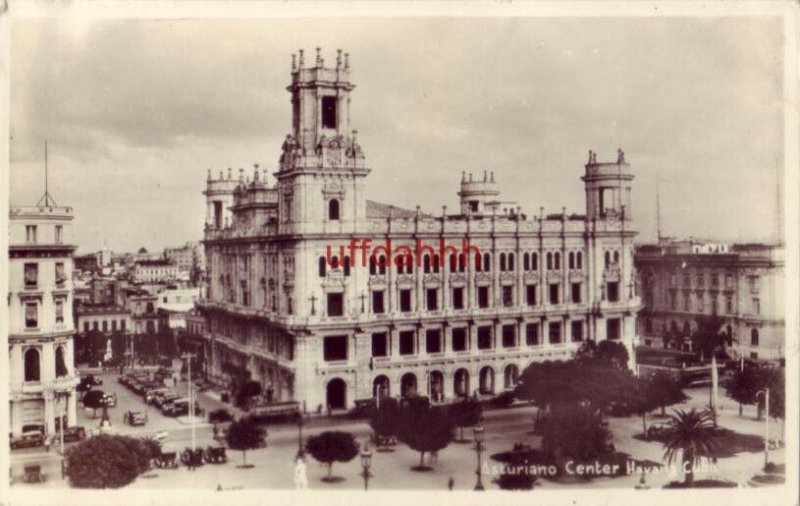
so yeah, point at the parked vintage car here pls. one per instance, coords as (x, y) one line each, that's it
(73, 434)
(110, 400)
(28, 439)
(135, 418)
(151, 395)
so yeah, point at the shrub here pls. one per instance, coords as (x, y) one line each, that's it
(107, 461)
(332, 446)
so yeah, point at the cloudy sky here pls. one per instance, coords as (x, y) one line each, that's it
(136, 112)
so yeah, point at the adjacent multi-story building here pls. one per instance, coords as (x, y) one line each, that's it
(40, 326)
(326, 297)
(154, 271)
(741, 284)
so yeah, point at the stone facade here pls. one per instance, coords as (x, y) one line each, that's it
(309, 287)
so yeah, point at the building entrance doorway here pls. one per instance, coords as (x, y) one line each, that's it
(336, 394)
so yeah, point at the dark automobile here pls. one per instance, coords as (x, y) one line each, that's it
(73, 434)
(135, 418)
(27, 440)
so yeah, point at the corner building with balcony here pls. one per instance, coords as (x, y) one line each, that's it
(489, 291)
(40, 327)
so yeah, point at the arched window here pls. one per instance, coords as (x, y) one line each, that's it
(436, 262)
(61, 363)
(502, 262)
(571, 260)
(557, 261)
(335, 262)
(487, 262)
(323, 267)
(579, 260)
(333, 209)
(754, 337)
(687, 328)
(382, 265)
(462, 262)
(526, 261)
(607, 259)
(347, 266)
(478, 262)
(511, 262)
(549, 261)
(453, 262)
(616, 257)
(398, 262)
(426, 263)
(534, 261)
(32, 366)
(373, 265)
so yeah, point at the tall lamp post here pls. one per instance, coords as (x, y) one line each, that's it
(765, 393)
(188, 357)
(366, 462)
(478, 432)
(301, 420)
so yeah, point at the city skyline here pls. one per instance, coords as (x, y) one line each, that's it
(136, 135)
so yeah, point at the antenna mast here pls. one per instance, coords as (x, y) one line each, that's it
(47, 199)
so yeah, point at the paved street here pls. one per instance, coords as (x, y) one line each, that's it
(391, 470)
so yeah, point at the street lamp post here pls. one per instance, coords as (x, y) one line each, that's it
(301, 420)
(478, 433)
(765, 393)
(189, 357)
(366, 462)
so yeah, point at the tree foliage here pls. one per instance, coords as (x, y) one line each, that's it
(332, 446)
(692, 434)
(466, 413)
(94, 399)
(611, 354)
(572, 431)
(425, 429)
(743, 384)
(245, 434)
(386, 419)
(664, 390)
(107, 461)
(709, 338)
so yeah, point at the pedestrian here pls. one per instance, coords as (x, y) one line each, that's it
(450, 483)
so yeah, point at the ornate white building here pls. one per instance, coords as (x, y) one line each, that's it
(40, 326)
(303, 294)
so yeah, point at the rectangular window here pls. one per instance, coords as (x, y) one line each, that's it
(700, 302)
(407, 342)
(433, 341)
(31, 275)
(459, 339)
(86, 326)
(405, 301)
(59, 234)
(685, 301)
(715, 280)
(673, 301)
(379, 345)
(335, 348)
(509, 336)
(61, 276)
(485, 338)
(95, 326)
(335, 304)
(532, 334)
(756, 306)
(328, 112)
(105, 326)
(612, 289)
(122, 325)
(377, 302)
(30, 234)
(576, 292)
(113, 325)
(613, 329)
(432, 297)
(754, 337)
(31, 315)
(458, 298)
(553, 293)
(530, 295)
(508, 296)
(577, 331)
(554, 332)
(483, 296)
(59, 311)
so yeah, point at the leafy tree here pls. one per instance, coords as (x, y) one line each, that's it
(774, 380)
(106, 461)
(332, 446)
(385, 422)
(665, 390)
(245, 434)
(466, 413)
(642, 399)
(743, 385)
(692, 433)
(425, 429)
(94, 399)
(572, 431)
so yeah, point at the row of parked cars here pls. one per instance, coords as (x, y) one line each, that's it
(33, 436)
(155, 393)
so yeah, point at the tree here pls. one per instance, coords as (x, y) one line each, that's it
(106, 461)
(243, 435)
(385, 422)
(332, 446)
(94, 399)
(642, 399)
(425, 429)
(692, 433)
(466, 413)
(665, 390)
(248, 389)
(743, 385)
(708, 341)
(607, 353)
(572, 431)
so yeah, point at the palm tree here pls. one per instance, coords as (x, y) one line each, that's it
(692, 433)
